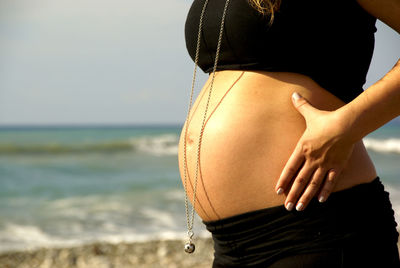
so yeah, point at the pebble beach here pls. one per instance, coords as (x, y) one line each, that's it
(150, 254)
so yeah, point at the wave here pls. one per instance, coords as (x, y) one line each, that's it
(13, 237)
(390, 145)
(166, 144)
(159, 145)
(113, 225)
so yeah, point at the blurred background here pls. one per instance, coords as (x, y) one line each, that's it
(93, 95)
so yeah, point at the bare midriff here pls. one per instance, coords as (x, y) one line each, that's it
(251, 130)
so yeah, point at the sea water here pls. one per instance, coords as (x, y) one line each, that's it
(62, 186)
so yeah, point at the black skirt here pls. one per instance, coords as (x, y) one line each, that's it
(355, 227)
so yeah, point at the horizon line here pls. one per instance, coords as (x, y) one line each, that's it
(88, 125)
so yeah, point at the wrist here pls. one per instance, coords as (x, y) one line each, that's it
(347, 121)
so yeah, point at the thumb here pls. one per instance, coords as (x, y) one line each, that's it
(302, 105)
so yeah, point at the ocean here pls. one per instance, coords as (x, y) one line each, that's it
(64, 186)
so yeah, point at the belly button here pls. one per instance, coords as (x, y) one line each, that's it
(189, 139)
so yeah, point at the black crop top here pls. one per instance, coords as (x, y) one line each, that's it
(330, 41)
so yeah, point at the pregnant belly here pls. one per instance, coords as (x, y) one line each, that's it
(251, 128)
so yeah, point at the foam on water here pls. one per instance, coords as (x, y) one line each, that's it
(18, 236)
(394, 194)
(24, 233)
(82, 220)
(176, 195)
(160, 217)
(391, 145)
(158, 145)
(85, 219)
(28, 237)
(162, 226)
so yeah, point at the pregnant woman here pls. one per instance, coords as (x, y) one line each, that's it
(271, 153)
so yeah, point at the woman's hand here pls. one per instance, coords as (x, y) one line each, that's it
(318, 158)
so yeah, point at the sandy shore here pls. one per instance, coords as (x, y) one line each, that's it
(154, 254)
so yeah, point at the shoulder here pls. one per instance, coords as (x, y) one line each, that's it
(387, 11)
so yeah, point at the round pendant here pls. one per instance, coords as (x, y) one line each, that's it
(189, 247)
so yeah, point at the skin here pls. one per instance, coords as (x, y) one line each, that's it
(322, 152)
(250, 131)
(253, 127)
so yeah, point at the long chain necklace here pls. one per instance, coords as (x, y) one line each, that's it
(189, 246)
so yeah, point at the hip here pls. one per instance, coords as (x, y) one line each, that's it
(355, 226)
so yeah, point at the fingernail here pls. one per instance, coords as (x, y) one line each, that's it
(289, 206)
(299, 206)
(321, 199)
(296, 96)
(280, 191)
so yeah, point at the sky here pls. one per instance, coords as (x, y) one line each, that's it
(69, 62)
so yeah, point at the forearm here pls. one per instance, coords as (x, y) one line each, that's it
(376, 106)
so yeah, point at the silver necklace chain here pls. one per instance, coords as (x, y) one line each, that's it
(189, 246)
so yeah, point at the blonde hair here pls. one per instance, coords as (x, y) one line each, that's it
(266, 7)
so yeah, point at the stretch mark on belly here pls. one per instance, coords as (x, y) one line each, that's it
(200, 173)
